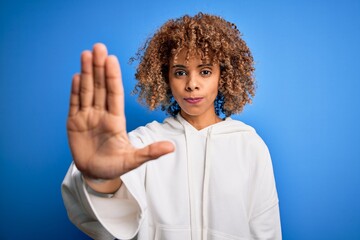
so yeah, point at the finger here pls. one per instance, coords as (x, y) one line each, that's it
(153, 151)
(74, 95)
(115, 89)
(99, 57)
(86, 81)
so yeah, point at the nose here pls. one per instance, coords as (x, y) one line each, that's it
(191, 84)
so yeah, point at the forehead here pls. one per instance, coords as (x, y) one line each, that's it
(186, 55)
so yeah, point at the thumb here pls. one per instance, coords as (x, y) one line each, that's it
(153, 151)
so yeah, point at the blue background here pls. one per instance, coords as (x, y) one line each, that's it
(306, 109)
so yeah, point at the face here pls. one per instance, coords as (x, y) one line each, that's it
(194, 85)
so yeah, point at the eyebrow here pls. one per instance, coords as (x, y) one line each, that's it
(199, 66)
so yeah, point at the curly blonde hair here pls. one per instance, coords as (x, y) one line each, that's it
(209, 34)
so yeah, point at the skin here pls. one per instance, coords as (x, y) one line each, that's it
(96, 124)
(194, 85)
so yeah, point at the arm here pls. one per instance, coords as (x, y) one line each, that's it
(101, 149)
(265, 217)
(78, 207)
(105, 218)
(96, 124)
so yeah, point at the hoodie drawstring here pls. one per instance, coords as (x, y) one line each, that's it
(205, 198)
(190, 189)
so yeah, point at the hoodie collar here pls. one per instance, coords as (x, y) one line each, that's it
(228, 125)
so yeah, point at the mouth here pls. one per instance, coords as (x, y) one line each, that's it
(193, 100)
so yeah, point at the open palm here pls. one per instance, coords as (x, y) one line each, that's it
(96, 123)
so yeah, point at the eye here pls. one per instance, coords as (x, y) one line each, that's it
(180, 73)
(205, 72)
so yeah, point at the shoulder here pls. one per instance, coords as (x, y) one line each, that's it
(245, 135)
(233, 126)
(253, 149)
(169, 125)
(156, 131)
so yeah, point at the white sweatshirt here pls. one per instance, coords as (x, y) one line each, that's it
(217, 185)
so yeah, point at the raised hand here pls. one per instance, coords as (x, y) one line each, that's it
(96, 123)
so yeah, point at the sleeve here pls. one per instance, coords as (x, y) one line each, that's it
(104, 218)
(119, 216)
(78, 207)
(264, 215)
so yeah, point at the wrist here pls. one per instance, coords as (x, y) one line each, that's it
(103, 186)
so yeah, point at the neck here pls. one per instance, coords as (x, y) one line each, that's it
(201, 122)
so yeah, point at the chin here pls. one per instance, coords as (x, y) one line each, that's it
(191, 113)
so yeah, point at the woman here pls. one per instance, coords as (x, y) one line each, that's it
(212, 177)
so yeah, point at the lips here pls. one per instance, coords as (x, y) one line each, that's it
(193, 100)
